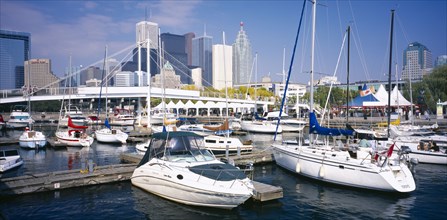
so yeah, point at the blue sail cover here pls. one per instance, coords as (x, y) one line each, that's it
(257, 117)
(315, 128)
(106, 123)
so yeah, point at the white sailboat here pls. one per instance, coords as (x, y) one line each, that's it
(330, 163)
(75, 135)
(178, 167)
(109, 134)
(31, 138)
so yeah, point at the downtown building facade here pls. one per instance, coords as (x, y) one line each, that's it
(14, 51)
(202, 57)
(145, 30)
(174, 52)
(38, 74)
(417, 61)
(242, 58)
(222, 66)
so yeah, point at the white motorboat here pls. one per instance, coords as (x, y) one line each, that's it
(76, 136)
(122, 117)
(257, 126)
(426, 150)
(9, 158)
(219, 144)
(32, 139)
(178, 167)
(288, 124)
(19, 117)
(76, 116)
(110, 135)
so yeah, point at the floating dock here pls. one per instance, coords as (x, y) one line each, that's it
(100, 175)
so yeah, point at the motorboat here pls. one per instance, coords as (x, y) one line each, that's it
(110, 135)
(122, 117)
(9, 159)
(178, 167)
(75, 136)
(260, 126)
(19, 117)
(32, 139)
(288, 123)
(76, 116)
(221, 144)
(425, 150)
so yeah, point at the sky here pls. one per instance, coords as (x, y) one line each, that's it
(82, 29)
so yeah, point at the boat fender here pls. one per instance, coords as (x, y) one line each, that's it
(322, 172)
(298, 168)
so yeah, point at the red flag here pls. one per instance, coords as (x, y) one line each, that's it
(390, 151)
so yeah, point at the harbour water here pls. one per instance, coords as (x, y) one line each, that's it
(303, 198)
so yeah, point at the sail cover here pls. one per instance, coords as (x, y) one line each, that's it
(315, 128)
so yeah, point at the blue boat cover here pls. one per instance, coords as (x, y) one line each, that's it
(257, 117)
(315, 128)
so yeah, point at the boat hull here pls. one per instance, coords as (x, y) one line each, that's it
(72, 141)
(328, 166)
(111, 136)
(178, 184)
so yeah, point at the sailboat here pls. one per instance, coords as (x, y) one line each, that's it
(76, 135)
(107, 134)
(31, 138)
(338, 164)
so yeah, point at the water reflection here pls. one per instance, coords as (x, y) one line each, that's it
(155, 207)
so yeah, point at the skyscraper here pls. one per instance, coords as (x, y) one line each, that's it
(202, 57)
(441, 60)
(242, 58)
(14, 51)
(174, 52)
(188, 46)
(222, 66)
(40, 74)
(145, 29)
(417, 61)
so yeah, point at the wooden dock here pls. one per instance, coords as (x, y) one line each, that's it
(65, 179)
(100, 175)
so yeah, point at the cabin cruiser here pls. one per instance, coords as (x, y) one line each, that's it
(9, 159)
(177, 166)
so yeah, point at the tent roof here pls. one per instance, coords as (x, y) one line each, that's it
(367, 100)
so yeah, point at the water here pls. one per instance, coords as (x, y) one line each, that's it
(303, 198)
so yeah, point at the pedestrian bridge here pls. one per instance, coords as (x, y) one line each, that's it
(93, 93)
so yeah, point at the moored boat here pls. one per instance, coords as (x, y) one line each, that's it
(178, 167)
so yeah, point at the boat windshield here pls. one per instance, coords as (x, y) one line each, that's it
(179, 149)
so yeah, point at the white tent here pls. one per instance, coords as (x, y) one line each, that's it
(397, 99)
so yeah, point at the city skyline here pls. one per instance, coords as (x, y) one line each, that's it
(82, 29)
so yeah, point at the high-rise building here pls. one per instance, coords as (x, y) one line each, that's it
(188, 46)
(92, 72)
(75, 80)
(146, 29)
(417, 61)
(14, 51)
(222, 66)
(202, 57)
(441, 60)
(40, 74)
(167, 78)
(242, 58)
(174, 52)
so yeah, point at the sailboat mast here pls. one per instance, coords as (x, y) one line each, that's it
(148, 78)
(225, 76)
(29, 91)
(311, 105)
(347, 78)
(389, 72)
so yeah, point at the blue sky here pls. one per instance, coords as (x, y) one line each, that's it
(83, 28)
